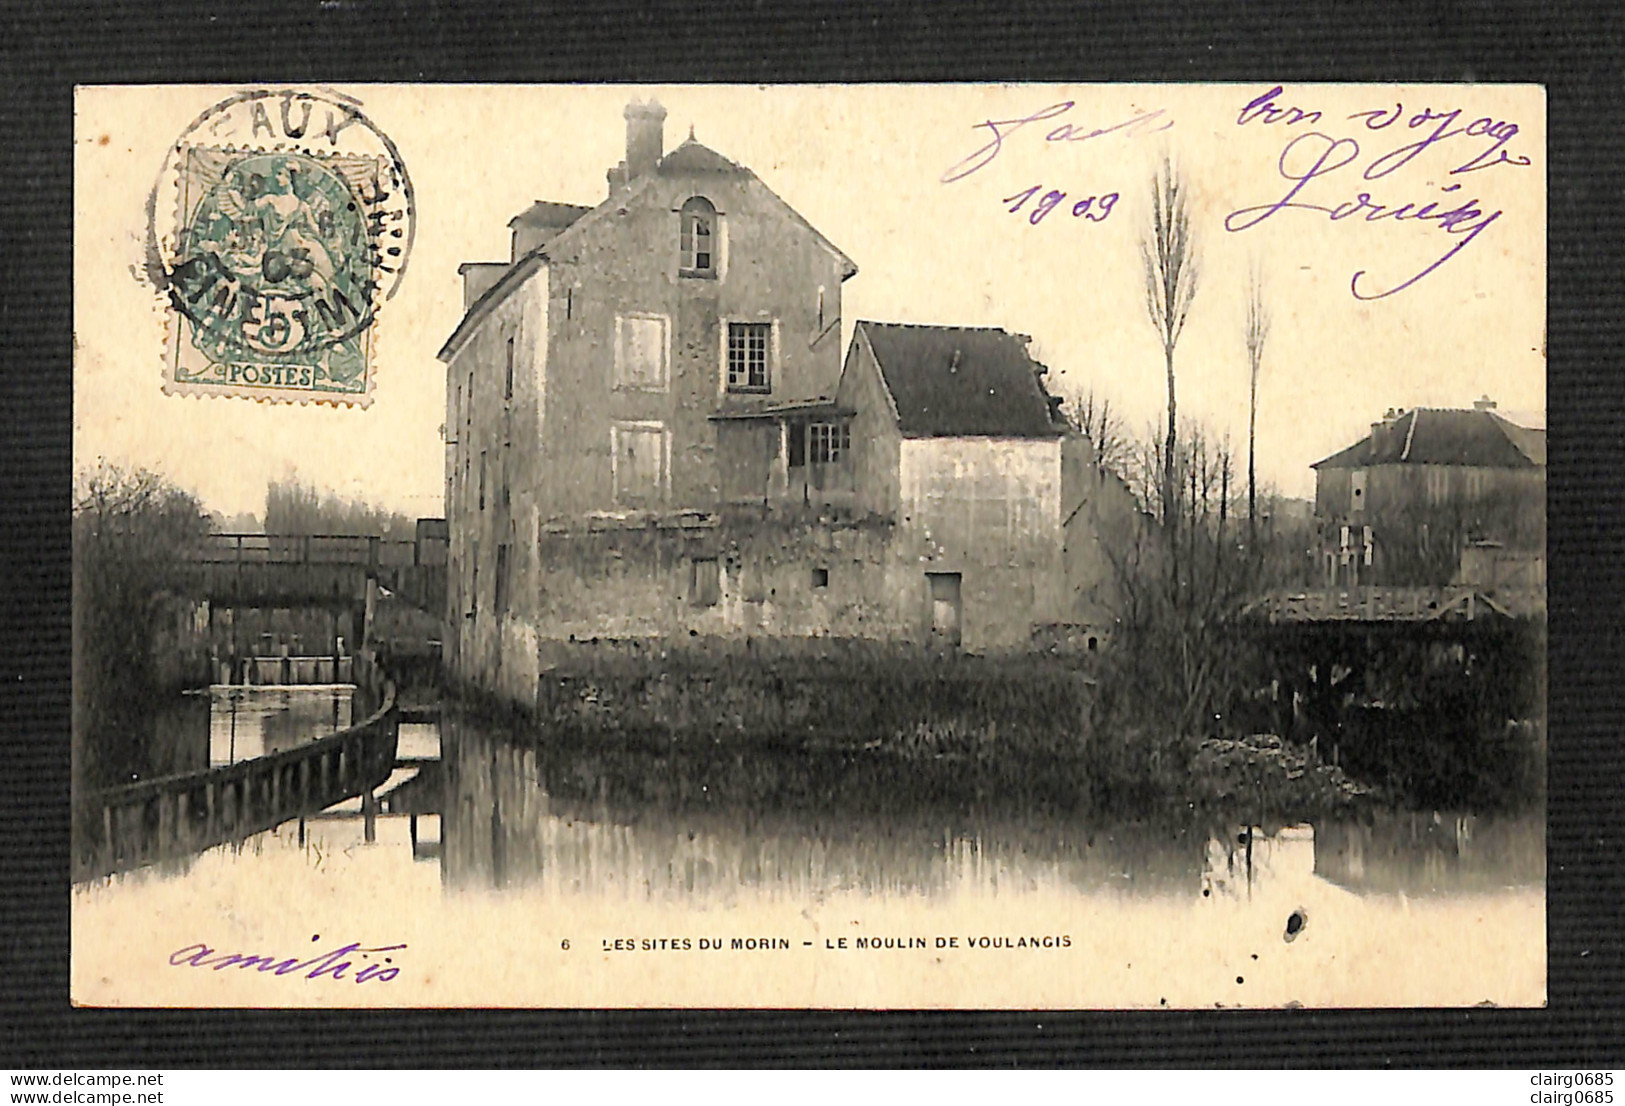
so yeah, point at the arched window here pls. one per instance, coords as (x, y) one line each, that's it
(699, 237)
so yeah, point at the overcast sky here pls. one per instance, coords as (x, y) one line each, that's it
(866, 165)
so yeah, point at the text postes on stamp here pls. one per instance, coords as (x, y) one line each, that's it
(292, 223)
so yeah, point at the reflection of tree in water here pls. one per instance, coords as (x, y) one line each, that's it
(649, 823)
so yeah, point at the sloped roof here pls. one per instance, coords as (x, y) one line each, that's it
(547, 213)
(694, 157)
(1435, 436)
(950, 381)
(570, 219)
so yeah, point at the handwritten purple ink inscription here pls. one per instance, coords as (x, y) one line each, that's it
(329, 965)
(1314, 155)
(1144, 122)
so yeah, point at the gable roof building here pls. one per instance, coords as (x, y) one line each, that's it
(1400, 504)
(1479, 438)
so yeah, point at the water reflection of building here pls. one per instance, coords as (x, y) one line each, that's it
(1432, 853)
(649, 824)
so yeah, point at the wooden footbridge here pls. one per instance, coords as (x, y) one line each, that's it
(313, 570)
(1419, 684)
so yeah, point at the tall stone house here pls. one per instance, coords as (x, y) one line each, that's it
(1443, 495)
(651, 437)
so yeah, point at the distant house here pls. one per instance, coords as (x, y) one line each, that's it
(1429, 484)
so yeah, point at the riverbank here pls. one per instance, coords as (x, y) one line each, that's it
(968, 726)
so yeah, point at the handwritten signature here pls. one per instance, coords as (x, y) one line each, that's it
(1312, 155)
(1002, 129)
(329, 965)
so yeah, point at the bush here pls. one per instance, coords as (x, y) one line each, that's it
(129, 529)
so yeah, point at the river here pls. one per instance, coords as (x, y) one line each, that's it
(594, 874)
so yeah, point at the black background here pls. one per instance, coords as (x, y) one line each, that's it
(1576, 51)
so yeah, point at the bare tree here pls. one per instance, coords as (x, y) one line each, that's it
(1258, 329)
(1168, 253)
(293, 506)
(1107, 432)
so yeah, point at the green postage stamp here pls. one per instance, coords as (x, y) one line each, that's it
(292, 224)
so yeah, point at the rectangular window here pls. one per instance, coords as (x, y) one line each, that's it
(468, 412)
(705, 582)
(640, 352)
(820, 577)
(638, 463)
(482, 479)
(474, 578)
(827, 442)
(502, 580)
(748, 345)
(507, 384)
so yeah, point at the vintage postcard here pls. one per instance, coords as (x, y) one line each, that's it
(956, 546)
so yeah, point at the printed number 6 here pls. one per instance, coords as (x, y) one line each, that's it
(565, 944)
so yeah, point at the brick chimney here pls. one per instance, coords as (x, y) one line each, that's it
(645, 138)
(1484, 403)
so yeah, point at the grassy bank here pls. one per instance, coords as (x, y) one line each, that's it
(1028, 727)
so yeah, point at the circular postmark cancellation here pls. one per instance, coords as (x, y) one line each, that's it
(292, 223)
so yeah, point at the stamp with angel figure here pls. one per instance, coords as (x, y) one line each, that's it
(292, 224)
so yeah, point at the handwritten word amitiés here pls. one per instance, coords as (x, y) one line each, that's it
(329, 965)
(1467, 219)
(1101, 205)
(1145, 122)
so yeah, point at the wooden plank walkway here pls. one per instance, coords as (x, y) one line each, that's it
(123, 828)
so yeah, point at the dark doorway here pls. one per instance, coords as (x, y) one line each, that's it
(945, 607)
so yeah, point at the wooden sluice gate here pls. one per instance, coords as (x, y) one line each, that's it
(285, 671)
(123, 828)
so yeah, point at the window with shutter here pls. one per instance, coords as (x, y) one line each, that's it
(640, 352)
(639, 466)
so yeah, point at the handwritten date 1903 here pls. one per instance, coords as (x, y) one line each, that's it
(1093, 208)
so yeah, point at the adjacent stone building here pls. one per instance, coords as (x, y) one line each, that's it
(955, 438)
